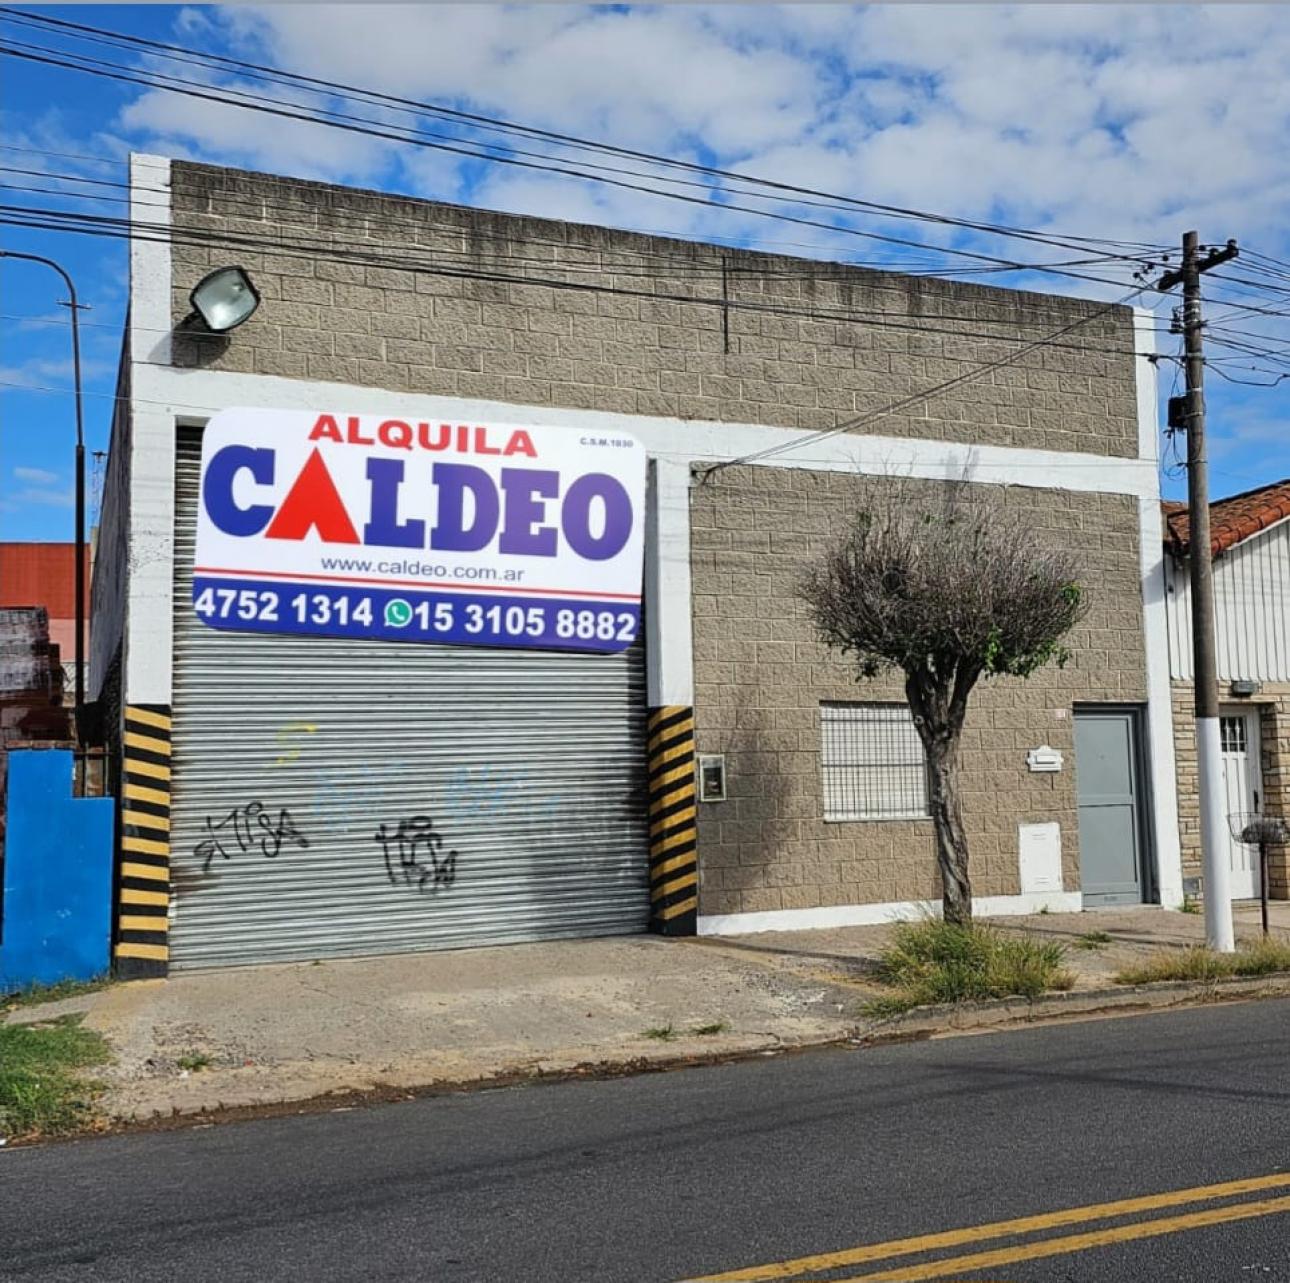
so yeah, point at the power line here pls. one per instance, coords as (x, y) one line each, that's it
(1252, 383)
(905, 402)
(668, 263)
(340, 121)
(126, 229)
(713, 238)
(199, 58)
(744, 243)
(119, 40)
(64, 155)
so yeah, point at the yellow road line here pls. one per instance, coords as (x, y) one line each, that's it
(997, 1229)
(1075, 1242)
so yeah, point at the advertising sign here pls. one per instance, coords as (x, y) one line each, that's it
(361, 525)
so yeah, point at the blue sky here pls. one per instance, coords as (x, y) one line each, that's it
(1126, 122)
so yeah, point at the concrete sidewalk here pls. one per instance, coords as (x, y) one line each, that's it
(255, 1036)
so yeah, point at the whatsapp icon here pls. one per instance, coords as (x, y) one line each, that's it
(398, 613)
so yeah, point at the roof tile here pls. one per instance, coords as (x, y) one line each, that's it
(1231, 520)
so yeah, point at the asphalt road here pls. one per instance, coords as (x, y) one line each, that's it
(680, 1175)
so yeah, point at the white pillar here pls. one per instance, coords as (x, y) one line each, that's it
(1213, 837)
(669, 645)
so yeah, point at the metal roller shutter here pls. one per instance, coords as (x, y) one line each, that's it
(447, 795)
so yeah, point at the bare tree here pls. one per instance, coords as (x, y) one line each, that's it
(947, 591)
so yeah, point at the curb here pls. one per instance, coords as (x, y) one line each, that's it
(920, 1024)
(952, 1018)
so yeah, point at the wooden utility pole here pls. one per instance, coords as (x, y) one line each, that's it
(1209, 758)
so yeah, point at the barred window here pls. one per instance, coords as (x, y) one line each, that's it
(1232, 731)
(873, 763)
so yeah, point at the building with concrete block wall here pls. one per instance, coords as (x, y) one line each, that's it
(381, 305)
(1250, 538)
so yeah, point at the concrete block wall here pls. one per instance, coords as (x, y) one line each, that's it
(768, 340)
(760, 676)
(813, 342)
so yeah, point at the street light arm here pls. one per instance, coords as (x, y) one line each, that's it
(80, 483)
(76, 336)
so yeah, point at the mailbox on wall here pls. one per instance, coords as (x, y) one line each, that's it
(712, 777)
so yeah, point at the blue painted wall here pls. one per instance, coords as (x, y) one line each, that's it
(56, 915)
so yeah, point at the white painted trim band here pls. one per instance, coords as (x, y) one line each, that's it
(197, 394)
(873, 915)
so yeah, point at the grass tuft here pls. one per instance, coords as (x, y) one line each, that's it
(34, 995)
(706, 1031)
(1266, 955)
(930, 963)
(194, 1062)
(42, 1091)
(661, 1033)
(1201, 964)
(1092, 940)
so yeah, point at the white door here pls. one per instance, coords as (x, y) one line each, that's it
(1243, 783)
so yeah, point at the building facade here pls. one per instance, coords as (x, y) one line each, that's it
(289, 797)
(1250, 542)
(42, 574)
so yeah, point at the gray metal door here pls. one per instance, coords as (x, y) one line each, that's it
(1110, 815)
(337, 797)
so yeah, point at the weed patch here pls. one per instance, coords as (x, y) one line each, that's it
(706, 1031)
(662, 1033)
(194, 1062)
(42, 1088)
(1201, 964)
(1092, 940)
(929, 963)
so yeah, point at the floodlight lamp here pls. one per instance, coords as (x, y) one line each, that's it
(223, 299)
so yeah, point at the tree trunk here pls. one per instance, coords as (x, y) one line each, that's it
(947, 816)
(938, 701)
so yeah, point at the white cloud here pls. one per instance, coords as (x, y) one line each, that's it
(224, 132)
(1061, 115)
(39, 497)
(1131, 122)
(48, 142)
(58, 372)
(37, 476)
